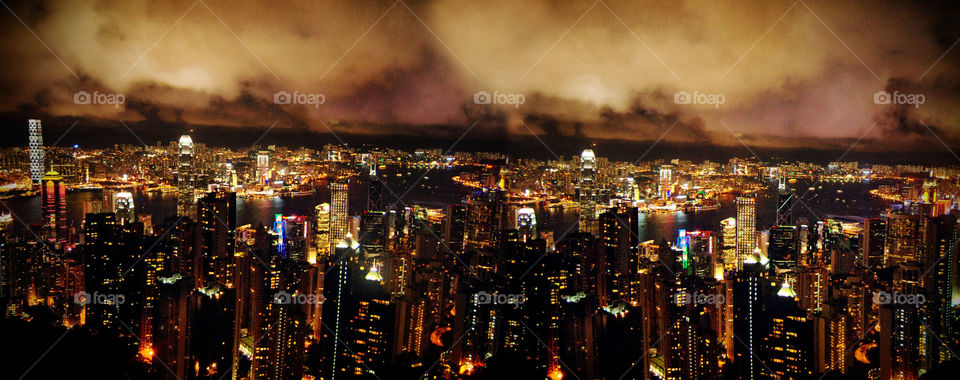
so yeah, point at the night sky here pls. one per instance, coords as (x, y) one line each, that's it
(793, 74)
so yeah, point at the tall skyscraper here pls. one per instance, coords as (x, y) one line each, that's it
(784, 246)
(871, 249)
(54, 208)
(903, 240)
(374, 191)
(124, 208)
(940, 257)
(36, 150)
(746, 228)
(786, 198)
(263, 167)
(339, 212)
(322, 232)
(185, 175)
(527, 223)
(588, 190)
(216, 214)
(665, 185)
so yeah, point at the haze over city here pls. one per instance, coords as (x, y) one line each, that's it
(404, 189)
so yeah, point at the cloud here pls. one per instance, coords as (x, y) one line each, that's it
(791, 72)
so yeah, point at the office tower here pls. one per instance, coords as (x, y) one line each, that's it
(263, 167)
(374, 191)
(339, 212)
(665, 184)
(618, 234)
(171, 334)
(588, 190)
(526, 223)
(728, 243)
(104, 268)
(788, 347)
(903, 239)
(321, 232)
(124, 208)
(186, 178)
(748, 289)
(746, 228)
(940, 259)
(784, 247)
(217, 219)
(484, 219)
(357, 309)
(36, 150)
(786, 199)
(872, 245)
(54, 208)
(454, 227)
(373, 233)
(293, 237)
(830, 329)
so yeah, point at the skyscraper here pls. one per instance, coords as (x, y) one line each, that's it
(588, 190)
(746, 228)
(263, 167)
(785, 202)
(54, 208)
(36, 150)
(322, 232)
(665, 184)
(339, 212)
(903, 240)
(527, 223)
(871, 250)
(216, 214)
(124, 208)
(185, 175)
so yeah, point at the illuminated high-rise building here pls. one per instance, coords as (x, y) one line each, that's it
(903, 240)
(527, 223)
(872, 245)
(339, 212)
(728, 243)
(124, 208)
(54, 208)
(454, 227)
(665, 184)
(940, 257)
(786, 199)
(748, 290)
(36, 150)
(356, 309)
(322, 231)
(186, 179)
(373, 233)
(787, 349)
(588, 191)
(484, 219)
(263, 167)
(784, 247)
(374, 191)
(217, 216)
(746, 228)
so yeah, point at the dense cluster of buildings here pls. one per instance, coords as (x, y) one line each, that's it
(391, 289)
